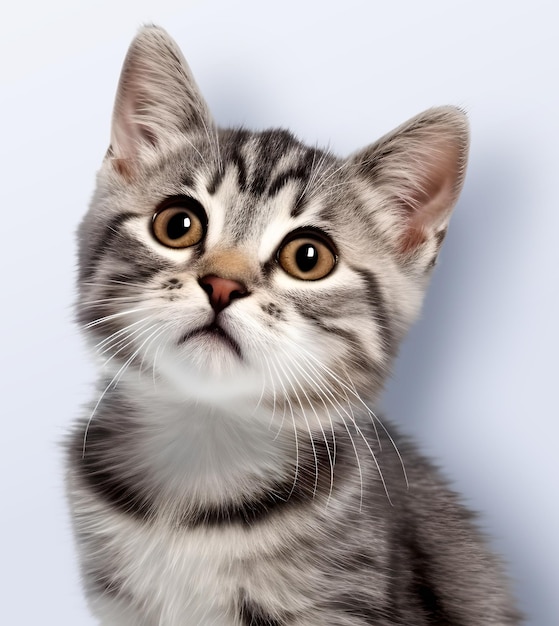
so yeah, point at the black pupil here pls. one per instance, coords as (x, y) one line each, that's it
(178, 225)
(306, 257)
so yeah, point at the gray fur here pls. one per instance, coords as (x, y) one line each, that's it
(242, 477)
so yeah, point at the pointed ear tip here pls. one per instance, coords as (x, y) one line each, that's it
(448, 123)
(150, 28)
(455, 117)
(447, 114)
(150, 33)
(151, 42)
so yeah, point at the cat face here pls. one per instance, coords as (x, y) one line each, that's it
(232, 264)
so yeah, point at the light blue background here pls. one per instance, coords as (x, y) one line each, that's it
(477, 379)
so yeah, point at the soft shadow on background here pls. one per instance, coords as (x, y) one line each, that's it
(476, 380)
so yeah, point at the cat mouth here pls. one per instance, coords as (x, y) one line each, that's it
(214, 332)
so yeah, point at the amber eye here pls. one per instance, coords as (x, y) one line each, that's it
(179, 224)
(307, 255)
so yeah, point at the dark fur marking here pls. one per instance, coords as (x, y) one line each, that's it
(92, 461)
(432, 263)
(347, 335)
(284, 179)
(376, 302)
(412, 594)
(305, 172)
(105, 583)
(113, 286)
(143, 272)
(240, 164)
(312, 481)
(273, 310)
(213, 329)
(110, 232)
(352, 340)
(252, 614)
(299, 205)
(172, 283)
(294, 174)
(423, 588)
(96, 465)
(269, 267)
(300, 174)
(216, 181)
(440, 237)
(188, 180)
(330, 305)
(233, 142)
(359, 562)
(271, 144)
(360, 608)
(372, 163)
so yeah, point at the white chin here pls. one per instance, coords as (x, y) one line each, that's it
(209, 370)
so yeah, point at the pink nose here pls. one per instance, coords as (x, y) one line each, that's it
(222, 290)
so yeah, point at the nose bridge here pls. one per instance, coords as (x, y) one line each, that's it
(230, 263)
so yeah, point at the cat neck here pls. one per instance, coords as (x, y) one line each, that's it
(193, 452)
(192, 462)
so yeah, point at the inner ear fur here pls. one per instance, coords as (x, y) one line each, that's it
(157, 99)
(419, 169)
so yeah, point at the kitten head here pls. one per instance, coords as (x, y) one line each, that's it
(232, 264)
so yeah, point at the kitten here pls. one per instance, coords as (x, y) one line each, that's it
(246, 295)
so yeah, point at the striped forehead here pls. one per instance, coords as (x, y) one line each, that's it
(263, 179)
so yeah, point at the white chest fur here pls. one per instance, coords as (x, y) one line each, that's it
(187, 576)
(165, 575)
(172, 578)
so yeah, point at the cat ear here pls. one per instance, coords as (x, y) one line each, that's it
(157, 99)
(415, 175)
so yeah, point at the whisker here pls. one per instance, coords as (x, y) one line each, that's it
(122, 331)
(286, 396)
(339, 409)
(122, 283)
(315, 488)
(113, 383)
(107, 318)
(262, 357)
(131, 340)
(275, 399)
(123, 369)
(328, 174)
(331, 455)
(146, 351)
(369, 411)
(91, 304)
(351, 418)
